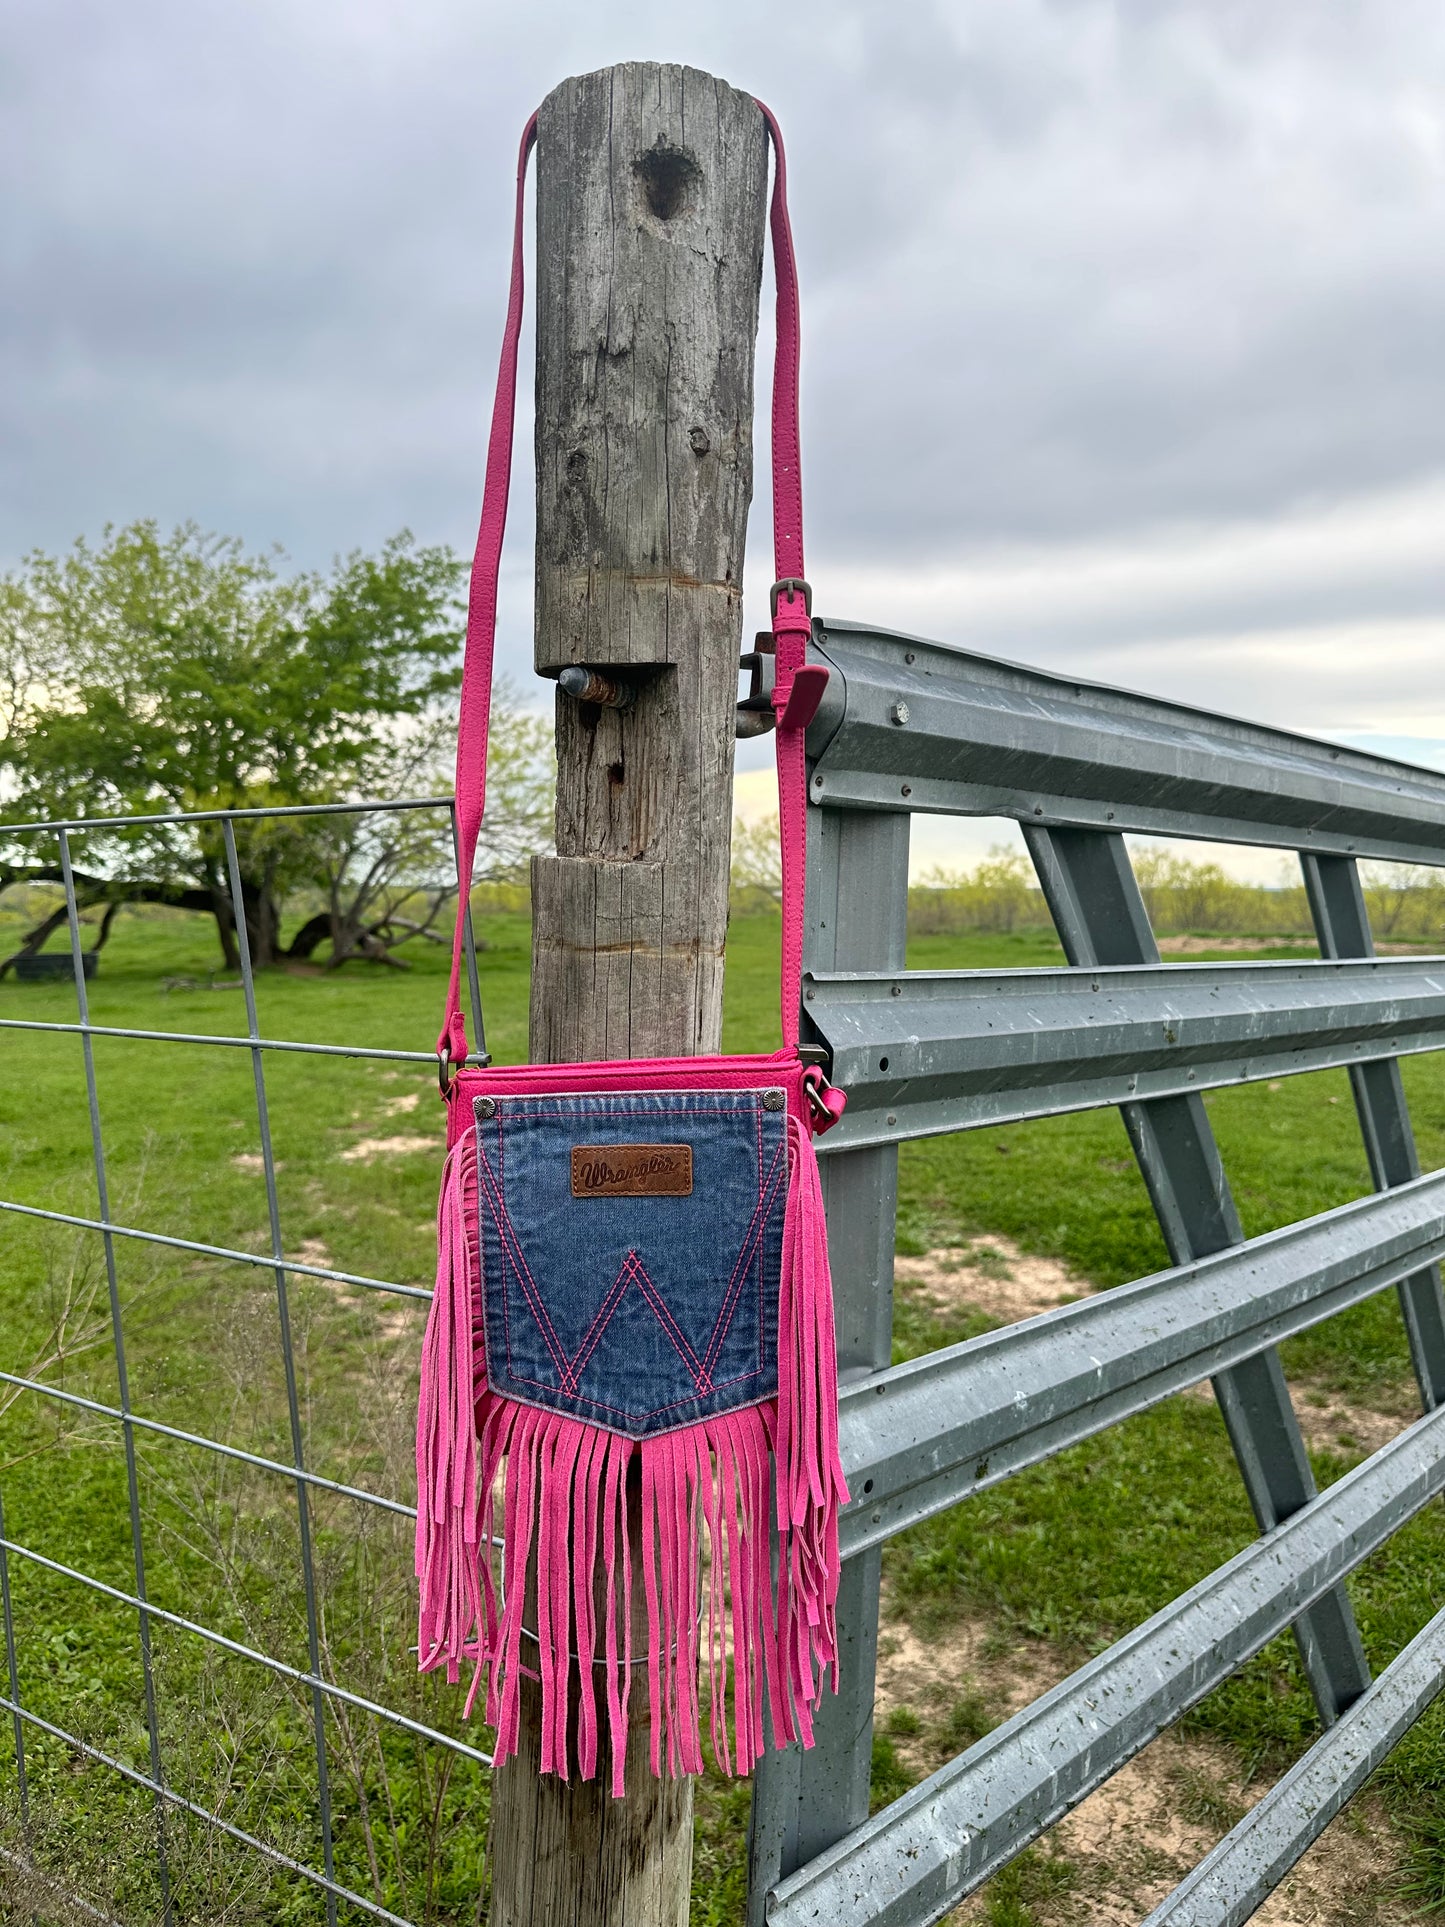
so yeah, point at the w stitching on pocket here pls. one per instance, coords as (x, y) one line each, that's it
(632, 1270)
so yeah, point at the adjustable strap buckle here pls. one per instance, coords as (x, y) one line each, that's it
(796, 694)
(791, 585)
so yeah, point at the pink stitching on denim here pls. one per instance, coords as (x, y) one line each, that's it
(631, 1267)
(750, 1236)
(500, 1217)
(758, 1253)
(663, 1313)
(600, 1324)
(695, 1074)
(619, 1110)
(472, 1244)
(569, 1370)
(506, 1308)
(519, 1257)
(729, 1307)
(497, 1206)
(728, 1311)
(586, 1398)
(526, 1284)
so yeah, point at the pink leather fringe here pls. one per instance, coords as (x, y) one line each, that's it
(810, 1482)
(565, 1527)
(453, 1371)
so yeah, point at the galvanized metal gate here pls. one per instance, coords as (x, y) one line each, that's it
(913, 726)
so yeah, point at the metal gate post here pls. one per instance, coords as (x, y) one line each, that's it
(1342, 924)
(857, 919)
(1094, 898)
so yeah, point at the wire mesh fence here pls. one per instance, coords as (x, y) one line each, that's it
(204, 1522)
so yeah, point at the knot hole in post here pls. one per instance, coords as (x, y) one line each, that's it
(669, 178)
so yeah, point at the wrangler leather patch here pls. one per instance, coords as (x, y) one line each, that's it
(632, 1170)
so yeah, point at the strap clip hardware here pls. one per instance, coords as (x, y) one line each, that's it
(448, 1067)
(826, 1102)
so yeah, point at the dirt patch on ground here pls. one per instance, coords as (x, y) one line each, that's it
(394, 1319)
(1190, 946)
(399, 1321)
(990, 1275)
(367, 1149)
(1331, 1423)
(927, 1676)
(1131, 1843)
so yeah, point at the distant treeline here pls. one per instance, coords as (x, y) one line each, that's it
(1001, 893)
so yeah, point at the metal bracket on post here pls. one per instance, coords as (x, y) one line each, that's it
(755, 712)
(1094, 898)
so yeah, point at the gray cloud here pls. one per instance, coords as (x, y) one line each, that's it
(1076, 272)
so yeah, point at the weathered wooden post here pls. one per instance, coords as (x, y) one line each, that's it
(651, 200)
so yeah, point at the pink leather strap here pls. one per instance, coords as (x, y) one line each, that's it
(799, 687)
(476, 697)
(792, 600)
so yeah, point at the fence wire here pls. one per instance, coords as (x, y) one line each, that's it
(167, 1801)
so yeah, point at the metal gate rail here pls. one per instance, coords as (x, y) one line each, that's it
(968, 1047)
(1251, 1860)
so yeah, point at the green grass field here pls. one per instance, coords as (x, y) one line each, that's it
(1072, 1553)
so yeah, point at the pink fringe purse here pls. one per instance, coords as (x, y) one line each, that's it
(633, 1285)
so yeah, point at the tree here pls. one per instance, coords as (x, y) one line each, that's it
(388, 875)
(170, 673)
(384, 877)
(1404, 900)
(1000, 893)
(755, 881)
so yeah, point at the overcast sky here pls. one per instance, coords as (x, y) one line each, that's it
(1124, 323)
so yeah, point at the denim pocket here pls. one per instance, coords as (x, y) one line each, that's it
(631, 1247)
